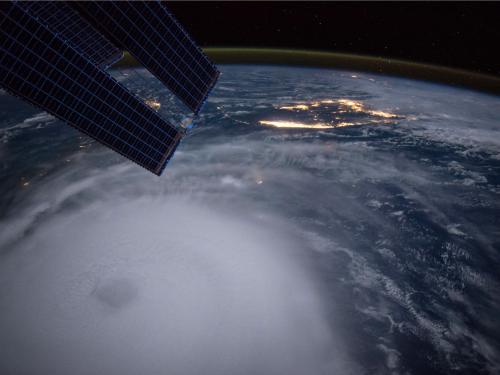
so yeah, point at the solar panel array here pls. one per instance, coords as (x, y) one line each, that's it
(41, 67)
(63, 20)
(151, 34)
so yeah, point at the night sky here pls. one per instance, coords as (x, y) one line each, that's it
(462, 35)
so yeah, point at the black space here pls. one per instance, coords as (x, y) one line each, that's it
(464, 35)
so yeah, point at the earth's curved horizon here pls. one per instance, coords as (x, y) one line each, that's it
(346, 61)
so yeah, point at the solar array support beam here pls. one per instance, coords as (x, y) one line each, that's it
(153, 36)
(41, 67)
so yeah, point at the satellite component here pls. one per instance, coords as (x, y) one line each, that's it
(77, 32)
(54, 55)
(152, 35)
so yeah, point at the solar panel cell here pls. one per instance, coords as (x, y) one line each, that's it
(44, 69)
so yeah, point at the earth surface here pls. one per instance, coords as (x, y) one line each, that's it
(312, 222)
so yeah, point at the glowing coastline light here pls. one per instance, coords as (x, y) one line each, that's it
(301, 125)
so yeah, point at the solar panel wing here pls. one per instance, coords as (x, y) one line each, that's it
(152, 35)
(62, 19)
(42, 68)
